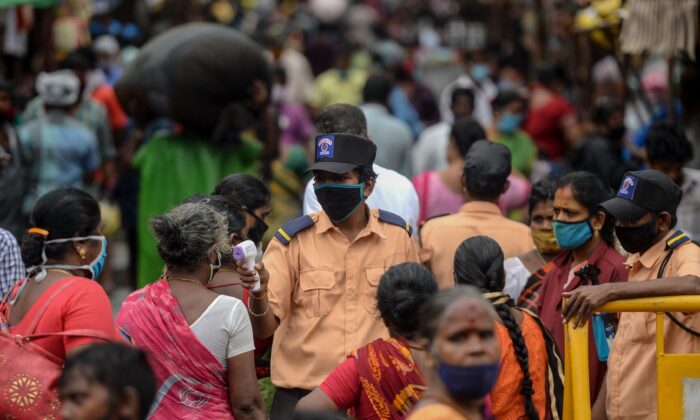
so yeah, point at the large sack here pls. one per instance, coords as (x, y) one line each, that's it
(199, 75)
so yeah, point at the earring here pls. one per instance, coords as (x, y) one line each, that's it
(596, 233)
(82, 254)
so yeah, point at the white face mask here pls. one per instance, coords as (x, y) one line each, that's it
(94, 268)
(213, 268)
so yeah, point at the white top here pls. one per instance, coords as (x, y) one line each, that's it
(393, 192)
(516, 277)
(430, 151)
(224, 328)
(482, 99)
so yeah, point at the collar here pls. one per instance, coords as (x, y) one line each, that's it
(480, 207)
(324, 224)
(564, 260)
(652, 255)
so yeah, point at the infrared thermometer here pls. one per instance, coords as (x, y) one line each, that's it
(247, 252)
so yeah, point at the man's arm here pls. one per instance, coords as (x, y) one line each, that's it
(583, 301)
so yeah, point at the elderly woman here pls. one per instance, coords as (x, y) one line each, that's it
(200, 343)
(458, 331)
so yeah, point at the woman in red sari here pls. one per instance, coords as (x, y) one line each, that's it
(200, 344)
(382, 381)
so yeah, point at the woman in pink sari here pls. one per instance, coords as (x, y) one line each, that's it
(200, 344)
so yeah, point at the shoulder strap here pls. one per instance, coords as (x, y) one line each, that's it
(46, 304)
(674, 242)
(394, 219)
(291, 228)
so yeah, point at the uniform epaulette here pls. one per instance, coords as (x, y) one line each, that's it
(437, 216)
(291, 228)
(394, 219)
(677, 239)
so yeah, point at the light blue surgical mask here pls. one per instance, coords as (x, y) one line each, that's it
(480, 72)
(510, 123)
(471, 382)
(571, 235)
(94, 268)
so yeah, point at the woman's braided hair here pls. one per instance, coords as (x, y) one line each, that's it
(479, 262)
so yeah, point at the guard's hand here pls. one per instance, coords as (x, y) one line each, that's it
(250, 277)
(584, 300)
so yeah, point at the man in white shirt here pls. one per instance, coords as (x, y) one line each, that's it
(430, 151)
(478, 80)
(393, 192)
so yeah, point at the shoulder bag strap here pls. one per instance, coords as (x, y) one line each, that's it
(48, 302)
(670, 316)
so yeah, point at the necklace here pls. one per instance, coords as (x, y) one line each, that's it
(186, 280)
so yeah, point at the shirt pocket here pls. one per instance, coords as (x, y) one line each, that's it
(369, 294)
(315, 287)
(642, 328)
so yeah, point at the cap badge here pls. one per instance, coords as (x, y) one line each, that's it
(627, 188)
(324, 147)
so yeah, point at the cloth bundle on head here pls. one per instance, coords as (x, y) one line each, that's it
(200, 75)
(60, 88)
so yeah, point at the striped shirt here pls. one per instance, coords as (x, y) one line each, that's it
(11, 265)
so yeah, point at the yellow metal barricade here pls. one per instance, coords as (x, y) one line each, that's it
(672, 369)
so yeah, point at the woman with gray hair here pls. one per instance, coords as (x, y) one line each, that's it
(200, 344)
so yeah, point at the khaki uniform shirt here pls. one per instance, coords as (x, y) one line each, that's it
(631, 377)
(441, 237)
(323, 291)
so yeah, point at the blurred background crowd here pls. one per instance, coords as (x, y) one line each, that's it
(564, 84)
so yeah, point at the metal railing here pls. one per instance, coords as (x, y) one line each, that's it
(672, 369)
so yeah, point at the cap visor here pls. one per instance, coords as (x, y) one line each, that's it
(335, 167)
(622, 209)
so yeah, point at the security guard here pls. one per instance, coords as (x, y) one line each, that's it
(320, 273)
(662, 262)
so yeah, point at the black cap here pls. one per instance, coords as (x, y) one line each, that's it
(642, 192)
(340, 153)
(488, 160)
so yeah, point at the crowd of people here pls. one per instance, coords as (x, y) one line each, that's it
(395, 222)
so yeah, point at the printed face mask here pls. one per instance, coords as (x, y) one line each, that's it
(94, 268)
(545, 242)
(339, 201)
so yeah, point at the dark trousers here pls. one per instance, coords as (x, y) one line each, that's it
(285, 402)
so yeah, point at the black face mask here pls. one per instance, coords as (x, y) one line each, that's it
(637, 239)
(339, 201)
(256, 233)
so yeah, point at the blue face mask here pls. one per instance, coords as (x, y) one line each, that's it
(509, 123)
(572, 235)
(94, 268)
(479, 72)
(471, 382)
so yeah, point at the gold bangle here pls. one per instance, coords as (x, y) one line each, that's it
(264, 295)
(259, 315)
